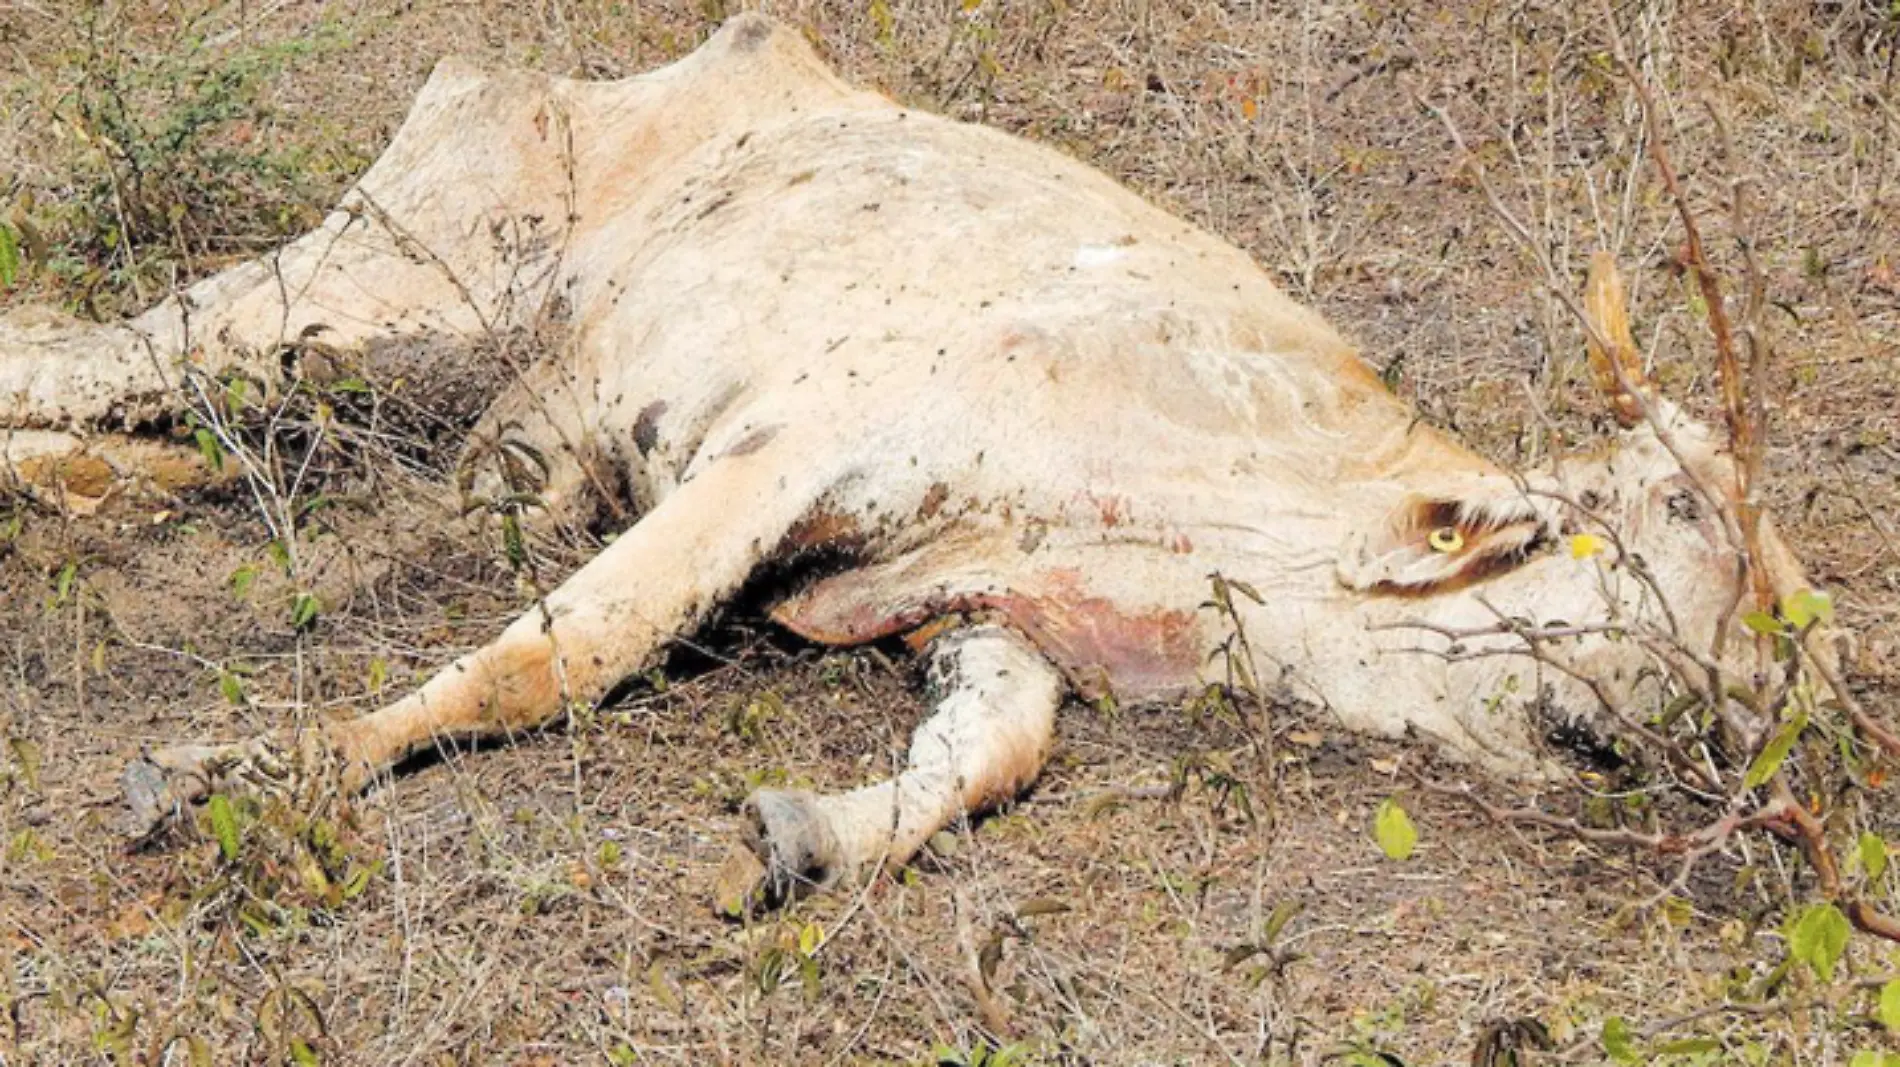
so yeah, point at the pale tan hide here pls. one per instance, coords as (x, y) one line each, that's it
(959, 374)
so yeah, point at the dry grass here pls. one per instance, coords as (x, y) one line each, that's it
(545, 902)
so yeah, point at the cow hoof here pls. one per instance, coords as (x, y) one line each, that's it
(788, 850)
(160, 785)
(739, 890)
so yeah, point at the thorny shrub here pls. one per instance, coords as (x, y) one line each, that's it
(174, 163)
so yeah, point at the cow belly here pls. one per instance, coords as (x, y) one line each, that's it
(1106, 646)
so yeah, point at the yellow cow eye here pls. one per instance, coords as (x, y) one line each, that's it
(1446, 539)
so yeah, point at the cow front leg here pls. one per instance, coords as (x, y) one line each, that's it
(611, 619)
(988, 735)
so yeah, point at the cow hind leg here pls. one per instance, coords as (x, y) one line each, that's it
(988, 735)
(608, 621)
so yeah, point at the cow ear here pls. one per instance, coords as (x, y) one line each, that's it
(1437, 544)
(1615, 361)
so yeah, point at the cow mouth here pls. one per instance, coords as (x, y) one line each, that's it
(1434, 546)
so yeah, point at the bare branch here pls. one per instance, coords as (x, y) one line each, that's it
(1743, 415)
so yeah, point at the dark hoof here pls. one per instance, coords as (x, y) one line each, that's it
(157, 787)
(160, 785)
(787, 851)
(148, 803)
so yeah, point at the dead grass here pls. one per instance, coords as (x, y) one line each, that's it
(545, 902)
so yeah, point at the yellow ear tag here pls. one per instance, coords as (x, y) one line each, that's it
(1446, 539)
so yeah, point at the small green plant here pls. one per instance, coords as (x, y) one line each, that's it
(177, 162)
(793, 954)
(224, 826)
(1266, 948)
(748, 720)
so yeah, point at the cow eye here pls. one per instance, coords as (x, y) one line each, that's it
(1683, 506)
(1446, 539)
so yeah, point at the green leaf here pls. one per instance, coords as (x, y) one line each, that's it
(1394, 830)
(1873, 855)
(1775, 752)
(1889, 1011)
(1283, 913)
(512, 543)
(231, 687)
(1617, 1041)
(1238, 955)
(1677, 911)
(224, 825)
(257, 922)
(9, 256)
(304, 610)
(809, 977)
(1804, 606)
(772, 966)
(27, 754)
(1871, 1058)
(242, 579)
(209, 448)
(323, 837)
(1763, 623)
(302, 1054)
(1041, 906)
(881, 18)
(1818, 938)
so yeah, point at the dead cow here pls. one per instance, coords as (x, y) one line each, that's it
(974, 379)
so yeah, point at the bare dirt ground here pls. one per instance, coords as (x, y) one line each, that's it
(546, 901)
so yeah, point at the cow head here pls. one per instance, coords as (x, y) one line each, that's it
(1624, 571)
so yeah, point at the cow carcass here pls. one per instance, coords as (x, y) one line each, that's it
(947, 379)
